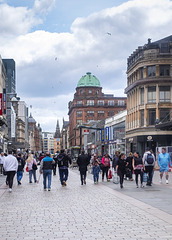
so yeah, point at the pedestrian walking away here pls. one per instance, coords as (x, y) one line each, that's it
(115, 159)
(149, 162)
(31, 162)
(46, 168)
(55, 163)
(121, 168)
(21, 164)
(106, 165)
(83, 161)
(63, 161)
(138, 168)
(2, 158)
(10, 166)
(164, 161)
(129, 169)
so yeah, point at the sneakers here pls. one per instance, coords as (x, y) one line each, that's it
(19, 183)
(84, 182)
(137, 186)
(166, 181)
(49, 189)
(64, 183)
(160, 181)
(10, 190)
(142, 186)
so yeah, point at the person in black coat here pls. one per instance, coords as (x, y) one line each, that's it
(21, 164)
(121, 167)
(83, 161)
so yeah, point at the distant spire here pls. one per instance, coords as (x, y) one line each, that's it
(57, 133)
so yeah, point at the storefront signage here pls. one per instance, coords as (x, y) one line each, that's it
(102, 134)
(130, 139)
(149, 138)
(4, 100)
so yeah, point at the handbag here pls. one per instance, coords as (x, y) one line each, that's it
(145, 177)
(27, 170)
(34, 166)
(110, 175)
(115, 178)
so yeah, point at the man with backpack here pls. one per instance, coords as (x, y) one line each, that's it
(63, 161)
(149, 162)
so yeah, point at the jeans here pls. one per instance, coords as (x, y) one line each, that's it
(149, 170)
(47, 173)
(121, 176)
(63, 175)
(10, 177)
(105, 171)
(19, 175)
(96, 170)
(32, 172)
(83, 176)
(137, 172)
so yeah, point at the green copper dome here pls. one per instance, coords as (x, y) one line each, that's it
(88, 80)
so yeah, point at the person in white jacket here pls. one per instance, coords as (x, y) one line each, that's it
(10, 166)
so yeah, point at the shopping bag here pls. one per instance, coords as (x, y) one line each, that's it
(145, 177)
(27, 170)
(110, 175)
(156, 167)
(115, 178)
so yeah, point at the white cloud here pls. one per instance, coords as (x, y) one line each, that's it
(43, 6)
(51, 64)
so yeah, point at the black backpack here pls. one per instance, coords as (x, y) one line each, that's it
(60, 160)
(149, 159)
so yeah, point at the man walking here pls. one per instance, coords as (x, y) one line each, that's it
(46, 169)
(2, 157)
(164, 161)
(63, 161)
(21, 164)
(149, 162)
(10, 166)
(83, 161)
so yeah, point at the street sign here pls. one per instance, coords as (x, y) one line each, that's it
(86, 131)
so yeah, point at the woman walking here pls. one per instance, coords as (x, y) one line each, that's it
(96, 169)
(31, 162)
(106, 165)
(121, 168)
(138, 168)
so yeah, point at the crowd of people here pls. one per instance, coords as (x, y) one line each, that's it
(122, 167)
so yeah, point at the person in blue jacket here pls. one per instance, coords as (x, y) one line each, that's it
(164, 161)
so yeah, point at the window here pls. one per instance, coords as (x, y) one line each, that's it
(151, 94)
(164, 94)
(89, 91)
(151, 71)
(121, 102)
(110, 113)
(90, 113)
(79, 103)
(100, 102)
(81, 91)
(90, 102)
(142, 96)
(151, 117)
(100, 113)
(164, 115)
(164, 70)
(111, 103)
(164, 48)
(142, 118)
(79, 113)
(97, 92)
(79, 122)
(141, 73)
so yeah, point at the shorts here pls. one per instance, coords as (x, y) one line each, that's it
(164, 169)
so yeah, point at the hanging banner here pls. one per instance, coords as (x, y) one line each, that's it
(4, 100)
(102, 134)
(1, 104)
(107, 133)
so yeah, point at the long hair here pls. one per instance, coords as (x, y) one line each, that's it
(30, 158)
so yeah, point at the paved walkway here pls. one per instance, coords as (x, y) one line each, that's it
(78, 212)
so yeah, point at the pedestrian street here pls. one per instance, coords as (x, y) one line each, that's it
(77, 212)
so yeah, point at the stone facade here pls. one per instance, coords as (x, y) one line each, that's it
(149, 95)
(90, 103)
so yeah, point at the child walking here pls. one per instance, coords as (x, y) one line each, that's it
(96, 170)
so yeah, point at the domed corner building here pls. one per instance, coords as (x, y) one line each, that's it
(149, 97)
(90, 103)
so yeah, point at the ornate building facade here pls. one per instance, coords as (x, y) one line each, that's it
(90, 103)
(149, 95)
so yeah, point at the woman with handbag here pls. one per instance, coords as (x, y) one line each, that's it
(138, 168)
(121, 167)
(106, 165)
(32, 167)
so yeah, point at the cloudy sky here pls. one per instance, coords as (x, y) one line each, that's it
(55, 42)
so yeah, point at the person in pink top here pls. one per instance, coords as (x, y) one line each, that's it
(30, 162)
(106, 165)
